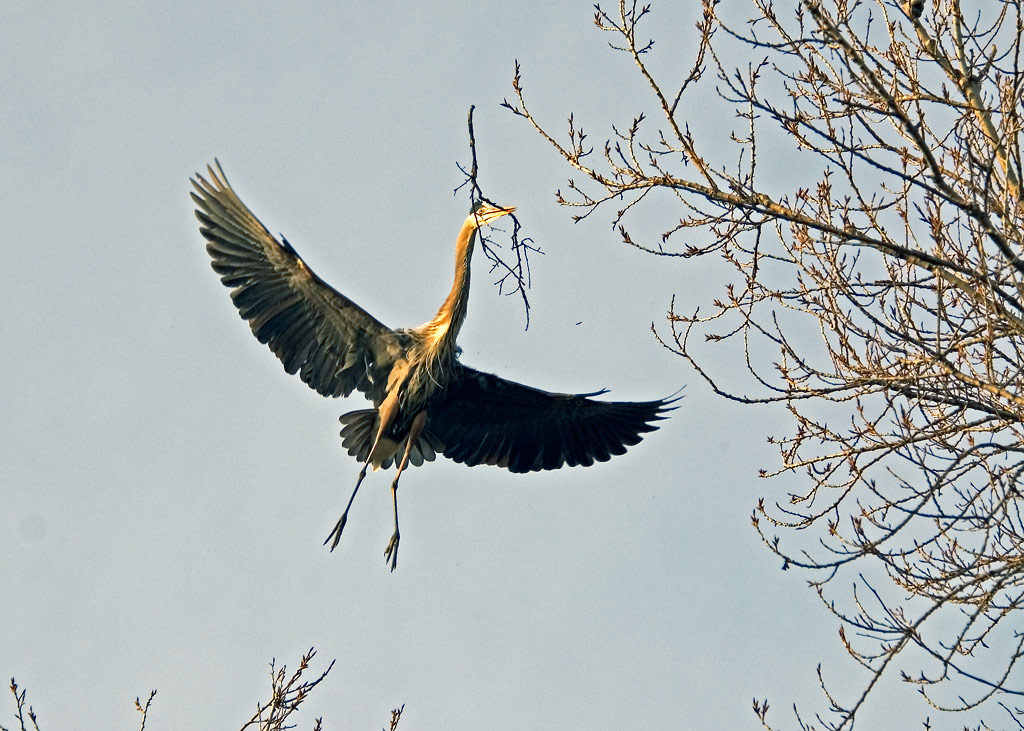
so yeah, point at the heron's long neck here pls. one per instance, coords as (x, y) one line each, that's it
(444, 328)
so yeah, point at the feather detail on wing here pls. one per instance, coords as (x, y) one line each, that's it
(484, 419)
(330, 342)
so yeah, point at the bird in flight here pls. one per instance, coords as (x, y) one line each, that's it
(425, 401)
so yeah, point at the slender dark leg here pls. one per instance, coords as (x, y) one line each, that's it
(386, 415)
(340, 525)
(391, 552)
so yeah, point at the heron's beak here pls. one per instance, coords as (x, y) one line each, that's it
(493, 213)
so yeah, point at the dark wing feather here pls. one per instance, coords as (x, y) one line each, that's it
(483, 419)
(333, 344)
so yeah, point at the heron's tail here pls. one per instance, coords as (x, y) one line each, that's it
(359, 429)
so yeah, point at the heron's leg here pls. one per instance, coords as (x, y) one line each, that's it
(386, 414)
(340, 525)
(391, 552)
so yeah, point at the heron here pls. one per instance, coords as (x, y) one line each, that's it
(425, 401)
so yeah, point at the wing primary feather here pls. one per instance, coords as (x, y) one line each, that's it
(335, 346)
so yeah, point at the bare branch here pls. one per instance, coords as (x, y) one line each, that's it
(514, 278)
(287, 694)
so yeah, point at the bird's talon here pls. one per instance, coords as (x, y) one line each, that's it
(336, 533)
(391, 552)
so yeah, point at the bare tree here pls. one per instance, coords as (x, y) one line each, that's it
(874, 290)
(287, 692)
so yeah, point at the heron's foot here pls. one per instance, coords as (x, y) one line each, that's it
(391, 552)
(336, 533)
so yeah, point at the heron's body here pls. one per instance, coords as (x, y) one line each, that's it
(424, 400)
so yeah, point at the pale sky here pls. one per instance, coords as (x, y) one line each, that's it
(166, 486)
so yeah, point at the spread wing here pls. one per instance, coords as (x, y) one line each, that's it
(333, 344)
(483, 419)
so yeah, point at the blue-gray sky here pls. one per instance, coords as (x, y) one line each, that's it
(166, 487)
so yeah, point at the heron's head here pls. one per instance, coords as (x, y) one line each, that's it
(485, 213)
